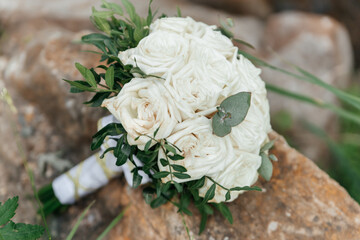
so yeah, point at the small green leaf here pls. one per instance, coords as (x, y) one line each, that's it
(178, 187)
(203, 222)
(109, 77)
(178, 11)
(21, 231)
(147, 145)
(224, 210)
(137, 178)
(210, 194)
(176, 157)
(113, 6)
(178, 168)
(237, 107)
(80, 85)
(246, 188)
(267, 146)
(121, 159)
(87, 74)
(181, 175)
(198, 184)
(273, 157)
(266, 168)
(170, 148)
(156, 131)
(98, 99)
(161, 174)
(219, 128)
(7, 210)
(227, 196)
(106, 151)
(164, 162)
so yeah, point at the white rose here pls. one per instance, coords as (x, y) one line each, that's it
(181, 26)
(204, 153)
(200, 85)
(240, 172)
(142, 106)
(160, 53)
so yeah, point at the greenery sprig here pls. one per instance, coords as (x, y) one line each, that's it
(16, 231)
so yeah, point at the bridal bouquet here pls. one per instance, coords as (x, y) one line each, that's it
(189, 114)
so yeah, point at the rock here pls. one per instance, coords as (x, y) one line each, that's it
(320, 45)
(300, 202)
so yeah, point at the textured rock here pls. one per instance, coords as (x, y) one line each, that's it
(321, 46)
(300, 202)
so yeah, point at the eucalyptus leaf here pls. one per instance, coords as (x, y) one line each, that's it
(178, 168)
(237, 107)
(266, 168)
(161, 174)
(219, 127)
(181, 175)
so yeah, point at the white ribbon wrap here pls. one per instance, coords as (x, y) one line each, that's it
(94, 172)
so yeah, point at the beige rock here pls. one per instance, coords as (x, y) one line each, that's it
(300, 202)
(321, 46)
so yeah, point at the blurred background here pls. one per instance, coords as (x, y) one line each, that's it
(39, 46)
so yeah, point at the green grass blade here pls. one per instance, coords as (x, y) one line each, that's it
(339, 111)
(308, 77)
(112, 224)
(77, 224)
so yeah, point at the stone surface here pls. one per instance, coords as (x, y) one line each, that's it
(321, 46)
(300, 202)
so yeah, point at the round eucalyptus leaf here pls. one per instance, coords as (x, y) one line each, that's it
(219, 127)
(266, 168)
(236, 108)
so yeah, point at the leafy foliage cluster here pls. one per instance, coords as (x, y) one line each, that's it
(119, 35)
(16, 231)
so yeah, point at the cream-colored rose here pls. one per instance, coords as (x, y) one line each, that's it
(182, 26)
(160, 53)
(142, 106)
(204, 153)
(240, 172)
(199, 85)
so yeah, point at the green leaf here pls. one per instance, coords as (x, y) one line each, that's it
(109, 77)
(161, 174)
(176, 157)
(181, 175)
(77, 224)
(219, 128)
(178, 187)
(203, 222)
(224, 210)
(130, 9)
(147, 145)
(273, 157)
(112, 224)
(121, 159)
(266, 167)
(170, 148)
(98, 99)
(227, 196)
(178, 11)
(94, 37)
(210, 194)
(237, 107)
(178, 168)
(87, 74)
(21, 231)
(112, 129)
(198, 183)
(7, 210)
(137, 178)
(164, 162)
(103, 14)
(267, 146)
(106, 151)
(113, 6)
(246, 188)
(148, 194)
(156, 131)
(80, 86)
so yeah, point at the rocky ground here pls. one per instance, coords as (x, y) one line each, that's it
(38, 48)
